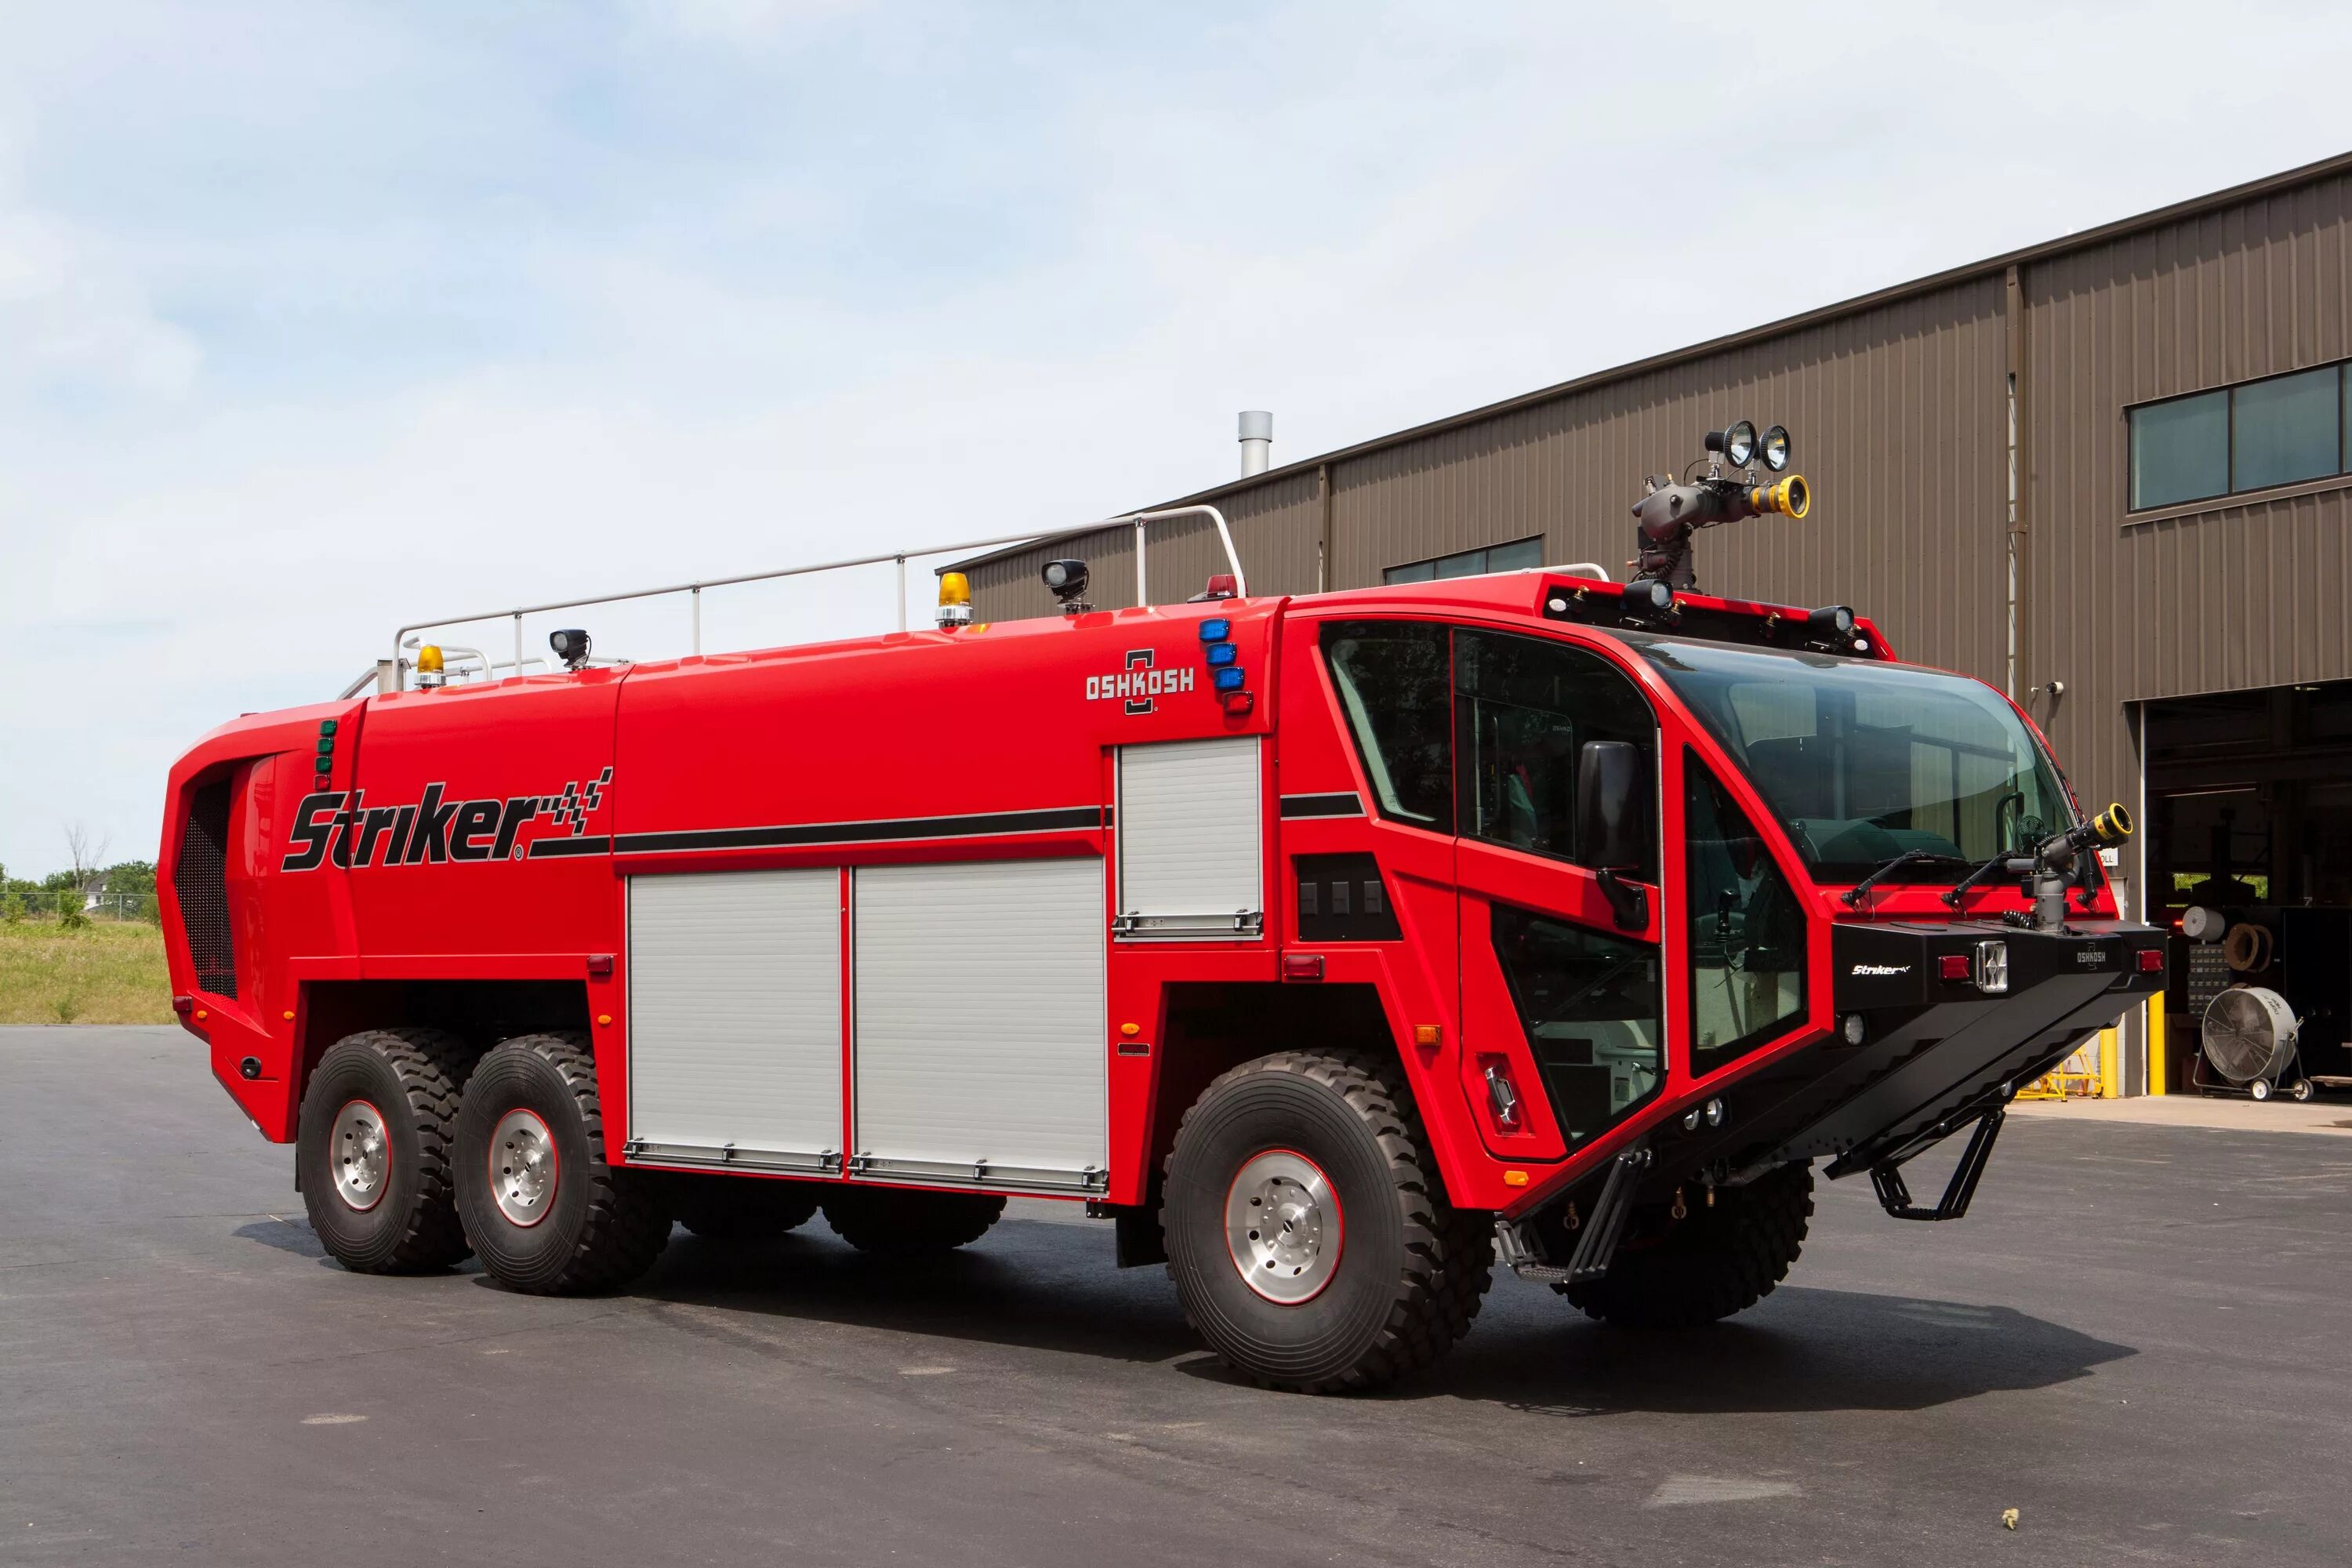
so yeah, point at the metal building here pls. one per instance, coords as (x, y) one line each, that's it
(2111, 474)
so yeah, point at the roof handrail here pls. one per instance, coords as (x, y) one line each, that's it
(398, 667)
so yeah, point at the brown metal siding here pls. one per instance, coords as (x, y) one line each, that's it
(1898, 419)
(2243, 594)
(1900, 426)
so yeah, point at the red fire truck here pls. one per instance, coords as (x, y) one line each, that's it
(1329, 946)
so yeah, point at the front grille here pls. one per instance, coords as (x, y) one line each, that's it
(197, 879)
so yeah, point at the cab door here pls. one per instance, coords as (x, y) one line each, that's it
(1563, 1026)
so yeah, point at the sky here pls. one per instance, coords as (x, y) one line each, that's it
(320, 317)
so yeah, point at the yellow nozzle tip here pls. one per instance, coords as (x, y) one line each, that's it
(2113, 824)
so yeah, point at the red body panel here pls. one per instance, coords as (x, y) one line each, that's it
(518, 810)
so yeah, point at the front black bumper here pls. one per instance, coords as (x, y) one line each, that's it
(1934, 1054)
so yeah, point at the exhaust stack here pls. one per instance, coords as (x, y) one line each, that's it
(1257, 441)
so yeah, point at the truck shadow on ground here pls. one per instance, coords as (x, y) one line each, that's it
(1052, 1287)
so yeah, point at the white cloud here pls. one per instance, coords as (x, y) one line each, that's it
(73, 315)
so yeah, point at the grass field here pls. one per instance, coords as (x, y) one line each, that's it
(109, 972)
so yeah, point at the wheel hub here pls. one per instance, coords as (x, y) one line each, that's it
(1283, 1226)
(522, 1167)
(362, 1154)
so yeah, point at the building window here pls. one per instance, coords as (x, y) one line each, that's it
(1516, 556)
(2280, 430)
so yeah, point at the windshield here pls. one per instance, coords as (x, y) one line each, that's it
(1863, 760)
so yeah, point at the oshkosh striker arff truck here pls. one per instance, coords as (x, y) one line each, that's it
(1327, 945)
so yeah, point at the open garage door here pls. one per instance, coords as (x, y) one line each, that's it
(2250, 818)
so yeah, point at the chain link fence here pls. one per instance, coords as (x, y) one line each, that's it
(72, 906)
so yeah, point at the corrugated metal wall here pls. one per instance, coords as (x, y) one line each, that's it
(1899, 423)
(2219, 596)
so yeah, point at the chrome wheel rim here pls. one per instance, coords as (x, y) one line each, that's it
(522, 1167)
(1282, 1228)
(361, 1153)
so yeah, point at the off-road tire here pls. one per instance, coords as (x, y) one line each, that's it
(1713, 1262)
(1411, 1271)
(740, 1208)
(410, 1076)
(602, 1227)
(892, 1222)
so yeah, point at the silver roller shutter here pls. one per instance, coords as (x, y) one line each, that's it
(981, 1038)
(735, 1019)
(1190, 857)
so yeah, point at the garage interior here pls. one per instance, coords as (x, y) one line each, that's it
(2249, 816)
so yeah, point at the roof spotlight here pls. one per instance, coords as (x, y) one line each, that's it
(571, 645)
(1068, 580)
(1831, 619)
(1739, 444)
(1651, 597)
(1776, 449)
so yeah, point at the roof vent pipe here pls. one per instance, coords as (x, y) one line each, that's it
(1257, 441)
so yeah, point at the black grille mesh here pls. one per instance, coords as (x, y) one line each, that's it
(196, 877)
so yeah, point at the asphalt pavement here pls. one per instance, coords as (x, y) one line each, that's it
(2137, 1340)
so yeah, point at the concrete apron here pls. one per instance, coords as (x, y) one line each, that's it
(2331, 1118)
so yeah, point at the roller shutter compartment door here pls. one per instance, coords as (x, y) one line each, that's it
(1191, 850)
(981, 1041)
(735, 1019)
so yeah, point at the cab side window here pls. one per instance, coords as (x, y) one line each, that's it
(1523, 709)
(1394, 683)
(1747, 932)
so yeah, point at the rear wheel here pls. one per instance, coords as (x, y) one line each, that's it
(1717, 1260)
(372, 1152)
(546, 1214)
(740, 1208)
(893, 1222)
(1309, 1234)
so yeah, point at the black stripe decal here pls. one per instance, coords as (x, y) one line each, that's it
(1343, 804)
(587, 844)
(980, 825)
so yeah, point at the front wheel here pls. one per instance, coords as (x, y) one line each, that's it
(546, 1214)
(1309, 1233)
(1718, 1259)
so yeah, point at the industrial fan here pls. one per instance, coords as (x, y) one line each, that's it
(2250, 1039)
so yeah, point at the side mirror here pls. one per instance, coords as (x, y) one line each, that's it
(1609, 825)
(1607, 804)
